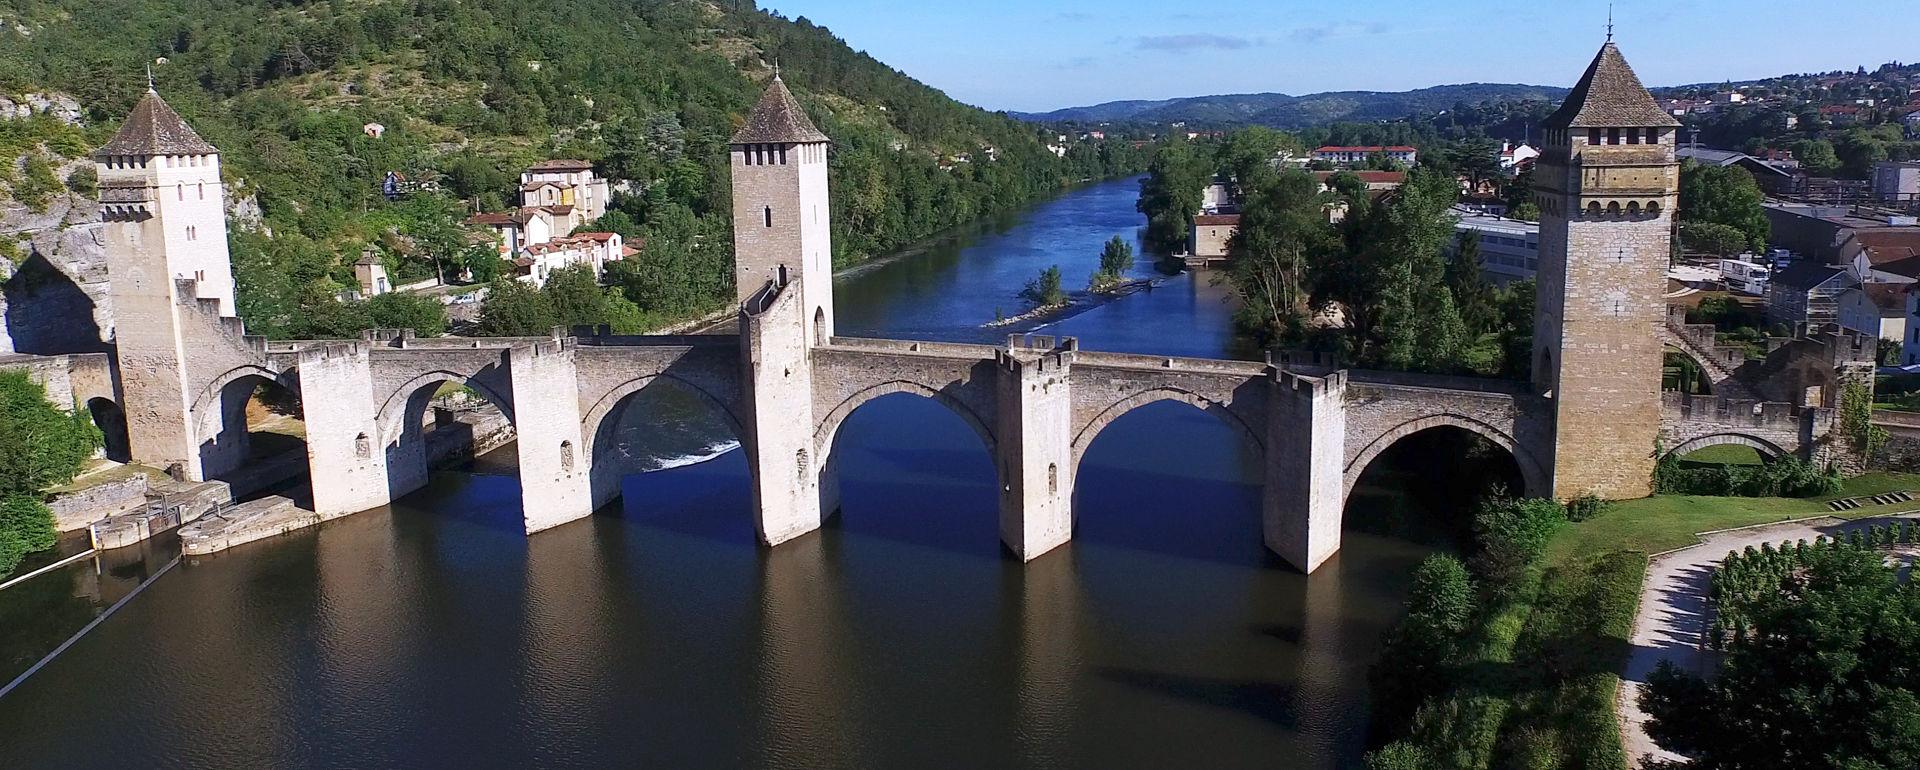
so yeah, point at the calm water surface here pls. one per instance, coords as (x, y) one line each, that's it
(434, 633)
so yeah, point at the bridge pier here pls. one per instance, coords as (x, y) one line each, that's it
(555, 474)
(1035, 451)
(779, 394)
(1306, 452)
(346, 463)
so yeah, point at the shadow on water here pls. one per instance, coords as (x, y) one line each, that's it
(1269, 701)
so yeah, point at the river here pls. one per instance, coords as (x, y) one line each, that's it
(433, 633)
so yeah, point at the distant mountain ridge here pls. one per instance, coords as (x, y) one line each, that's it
(1287, 111)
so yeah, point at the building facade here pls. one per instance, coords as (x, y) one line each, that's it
(1351, 155)
(1509, 248)
(1606, 184)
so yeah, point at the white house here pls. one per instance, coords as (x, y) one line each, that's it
(1879, 309)
(1347, 155)
(1512, 156)
(539, 261)
(565, 184)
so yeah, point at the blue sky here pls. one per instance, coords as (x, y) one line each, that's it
(1007, 54)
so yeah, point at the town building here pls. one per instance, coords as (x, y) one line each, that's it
(1509, 248)
(557, 197)
(1876, 309)
(1211, 234)
(567, 188)
(371, 275)
(539, 261)
(1806, 291)
(1771, 179)
(1515, 157)
(1896, 182)
(1354, 155)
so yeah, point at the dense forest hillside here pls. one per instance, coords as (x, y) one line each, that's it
(470, 92)
(1292, 112)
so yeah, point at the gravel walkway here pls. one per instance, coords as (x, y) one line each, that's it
(1673, 613)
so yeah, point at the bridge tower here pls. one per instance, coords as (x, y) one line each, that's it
(780, 206)
(162, 200)
(1606, 184)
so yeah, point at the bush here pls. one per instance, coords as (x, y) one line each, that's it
(1783, 477)
(26, 526)
(1585, 507)
(1510, 535)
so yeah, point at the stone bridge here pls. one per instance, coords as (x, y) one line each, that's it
(1037, 404)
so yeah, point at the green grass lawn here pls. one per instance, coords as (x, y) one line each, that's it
(1664, 522)
(1724, 454)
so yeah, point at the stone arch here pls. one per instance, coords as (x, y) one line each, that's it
(112, 422)
(209, 396)
(1653, 208)
(1767, 449)
(1087, 433)
(590, 422)
(1531, 472)
(392, 411)
(829, 426)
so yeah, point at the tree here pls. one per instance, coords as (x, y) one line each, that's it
(1818, 675)
(1816, 156)
(1044, 290)
(1712, 238)
(1510, 535)
(1727, 196)
(426, 316)
(1283, 231)
(515, 309)
(1116, 258)
(1472, 295)
(1172, 193)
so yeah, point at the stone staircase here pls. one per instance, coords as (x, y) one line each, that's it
(1888, 498)
(1700, 343)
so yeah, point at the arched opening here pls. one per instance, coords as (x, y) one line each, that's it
(669, 452)
(1422, 485)
(819, 326)
(112, 422)
(1681, 373)
(1719, 455)
(1171, 478)
(446, 422)
(254, 437)
(906, 466)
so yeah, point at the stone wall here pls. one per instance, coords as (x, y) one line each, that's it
(79, 508)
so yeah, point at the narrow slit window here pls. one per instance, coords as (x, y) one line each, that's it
(769, 214)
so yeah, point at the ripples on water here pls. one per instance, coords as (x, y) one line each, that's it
(435, 634)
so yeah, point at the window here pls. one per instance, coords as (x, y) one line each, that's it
(203, 190)
(1593, 136)
(1633, 136)
(1613, 136)
(769, 214)
(193, 233)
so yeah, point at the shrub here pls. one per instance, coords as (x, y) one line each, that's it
(1511, 534)
(1585, 507)
(26, 526)
(1045, 290)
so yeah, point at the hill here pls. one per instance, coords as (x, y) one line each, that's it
(1292, 112)
(469, 93)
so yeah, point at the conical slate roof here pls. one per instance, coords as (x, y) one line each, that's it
(1609, 95)
(153, 128)
(778, 119)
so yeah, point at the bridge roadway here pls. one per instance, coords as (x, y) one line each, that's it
(1037, 403)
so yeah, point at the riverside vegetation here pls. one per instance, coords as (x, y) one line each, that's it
(41, 446)
(471, 91)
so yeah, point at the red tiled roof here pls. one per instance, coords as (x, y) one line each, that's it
(599, 237)
(531, 186)
(495, 218)
(1216, 219)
